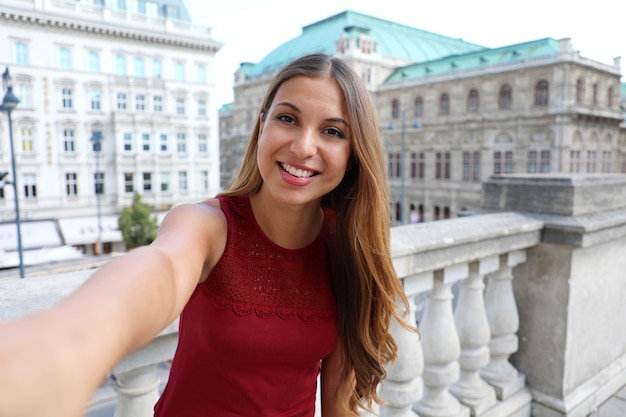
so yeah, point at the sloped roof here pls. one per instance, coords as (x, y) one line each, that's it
(478, 59)
(394, 40)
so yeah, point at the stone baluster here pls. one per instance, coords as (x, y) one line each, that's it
(474, 334)
(441, 346)
(504, 323)
(136, 379)
(137, 392)
(403, 386)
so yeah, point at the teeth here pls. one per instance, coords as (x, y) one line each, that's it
(302, 173)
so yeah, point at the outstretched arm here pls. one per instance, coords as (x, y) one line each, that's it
(52, 361)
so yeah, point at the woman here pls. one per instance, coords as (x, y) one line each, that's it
(286, 274)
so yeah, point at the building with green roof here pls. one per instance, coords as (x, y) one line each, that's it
(453, 113)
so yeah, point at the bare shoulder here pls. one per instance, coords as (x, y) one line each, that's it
(198, 229)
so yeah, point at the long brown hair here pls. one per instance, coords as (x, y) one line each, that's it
(365, 283)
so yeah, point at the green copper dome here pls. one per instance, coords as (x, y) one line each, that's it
(393, 40)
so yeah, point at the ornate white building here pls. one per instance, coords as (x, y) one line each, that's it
(137, 74)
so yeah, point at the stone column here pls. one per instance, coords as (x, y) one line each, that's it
(570, 292)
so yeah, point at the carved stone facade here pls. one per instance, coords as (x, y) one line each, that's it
(534, 107)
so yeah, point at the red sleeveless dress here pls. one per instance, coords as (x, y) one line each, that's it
(253, 333)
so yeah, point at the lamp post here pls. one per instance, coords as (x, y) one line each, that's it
(403, 151)
(96, 139)
(9, 103)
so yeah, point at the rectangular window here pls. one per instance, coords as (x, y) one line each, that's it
(180, 106)
(202, 108)
(157, 104)
(120, 65)
(25, 94)
(475, 168)
(121, 101)
(201, 74)
(179, 71)
(65, 58)
(606, 161)
(128, 182)
(508, 162)
(98, 179)
(497, 162)
(94, 100)
(157, 69)
(66, 98)
(163, 142)
(532, 162)
(128, 142)
(471, 166)
(446, 165)
(27, 140)
(93, 61)
(147, 181)
(182, 181)
(30, 186)
(165, 182)
(203, 146)
(139, 68)
(574, 161)
(145, 142)
(438, 165)
(181, 143)
(545, 161)
(140, 102)
(204, 180)
(71, 184)
(591, 161)
(413, 165)
(21, 53)
(69, 144)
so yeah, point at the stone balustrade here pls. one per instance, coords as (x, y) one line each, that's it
(519, 306)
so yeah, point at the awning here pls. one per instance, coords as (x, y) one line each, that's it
(35, 234)
(84, 230)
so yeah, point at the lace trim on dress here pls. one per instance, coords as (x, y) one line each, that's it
(255, 276)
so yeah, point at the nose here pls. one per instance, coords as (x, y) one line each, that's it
(304, 144)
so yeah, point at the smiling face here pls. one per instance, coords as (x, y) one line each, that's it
(304, 141)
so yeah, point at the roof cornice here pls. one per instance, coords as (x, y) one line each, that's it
(111, 30)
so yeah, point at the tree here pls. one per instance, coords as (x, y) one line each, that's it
(136, 225)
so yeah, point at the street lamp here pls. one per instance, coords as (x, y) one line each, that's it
(403, 151)
(96, 139)
(9, 103)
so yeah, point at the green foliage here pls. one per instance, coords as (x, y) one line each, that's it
(136, 225)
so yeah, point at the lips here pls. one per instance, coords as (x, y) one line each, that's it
(296, 172)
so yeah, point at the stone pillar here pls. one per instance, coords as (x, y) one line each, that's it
(570, 292)
(403, 386)
(473, 327)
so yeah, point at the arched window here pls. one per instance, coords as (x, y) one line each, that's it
(418, 106)
(505, 99)
(580, 90)
(444, 103)
(395, 108)
(472, 100)
(541, 93)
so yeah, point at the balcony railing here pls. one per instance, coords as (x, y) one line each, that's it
(500, 298)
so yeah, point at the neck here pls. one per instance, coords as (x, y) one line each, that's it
(291, 227)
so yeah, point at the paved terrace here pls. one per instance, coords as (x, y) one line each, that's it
(519, 304)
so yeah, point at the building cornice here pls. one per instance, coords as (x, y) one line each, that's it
(177, 39)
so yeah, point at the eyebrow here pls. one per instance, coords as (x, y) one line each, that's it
(296, 109)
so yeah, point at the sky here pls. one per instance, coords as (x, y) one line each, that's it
(251, 29)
